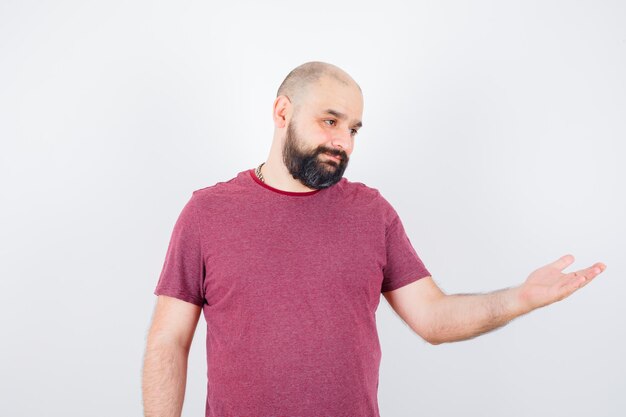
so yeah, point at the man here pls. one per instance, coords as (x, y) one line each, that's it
(287, 262)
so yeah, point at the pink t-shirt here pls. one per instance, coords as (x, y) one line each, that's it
(289, 284)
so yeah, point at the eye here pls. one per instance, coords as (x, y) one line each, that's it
(353, 131)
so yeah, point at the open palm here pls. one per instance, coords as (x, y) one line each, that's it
(549, 283)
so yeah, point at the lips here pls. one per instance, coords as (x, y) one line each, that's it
(335, 157)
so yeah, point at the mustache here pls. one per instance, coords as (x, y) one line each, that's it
(335, 152)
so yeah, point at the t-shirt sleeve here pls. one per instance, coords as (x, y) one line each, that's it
(182, 275)
(403, 265)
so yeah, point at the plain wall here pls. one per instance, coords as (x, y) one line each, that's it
(496, 129)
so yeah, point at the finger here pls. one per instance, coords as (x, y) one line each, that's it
(576, 281)
(585, 275)
(594, 270)
(563, 262)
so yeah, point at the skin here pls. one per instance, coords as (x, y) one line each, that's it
(313, 130)
(441, 318)
(164, 371)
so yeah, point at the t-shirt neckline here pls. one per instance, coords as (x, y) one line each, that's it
(276, 190)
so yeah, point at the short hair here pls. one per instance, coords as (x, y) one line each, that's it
(297, 82)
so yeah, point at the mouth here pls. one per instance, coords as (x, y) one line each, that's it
(333, 157)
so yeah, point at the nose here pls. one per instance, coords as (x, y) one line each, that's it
(343, 142)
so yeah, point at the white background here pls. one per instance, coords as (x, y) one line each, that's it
(495, 128)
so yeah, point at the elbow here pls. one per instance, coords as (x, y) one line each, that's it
(430, 338)
(428, 332)
(425, 333)
(434, 341)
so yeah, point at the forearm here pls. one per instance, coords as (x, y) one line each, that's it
(464, 316)
(164, 380)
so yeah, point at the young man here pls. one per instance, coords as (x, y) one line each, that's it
(287, 262)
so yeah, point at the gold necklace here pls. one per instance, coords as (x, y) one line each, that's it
(258, 172)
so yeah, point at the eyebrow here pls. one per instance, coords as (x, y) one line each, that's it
(342, 116)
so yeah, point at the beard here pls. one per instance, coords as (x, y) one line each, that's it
(311, 168)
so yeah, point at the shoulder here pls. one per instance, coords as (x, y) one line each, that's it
(220, 190)
(359, 189)
(370, 197)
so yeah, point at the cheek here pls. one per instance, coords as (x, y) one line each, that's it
(327, 138)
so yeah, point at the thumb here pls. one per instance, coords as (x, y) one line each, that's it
(563, 262)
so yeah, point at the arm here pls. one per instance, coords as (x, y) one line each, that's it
(440, 318)
(165, 363)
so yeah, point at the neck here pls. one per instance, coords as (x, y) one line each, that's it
(276, 175)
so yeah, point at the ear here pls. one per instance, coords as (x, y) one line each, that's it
(282, 111)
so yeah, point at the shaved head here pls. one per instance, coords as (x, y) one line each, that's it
(298, 82)
(317, 113)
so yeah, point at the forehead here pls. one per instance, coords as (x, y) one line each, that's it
(335, 95)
